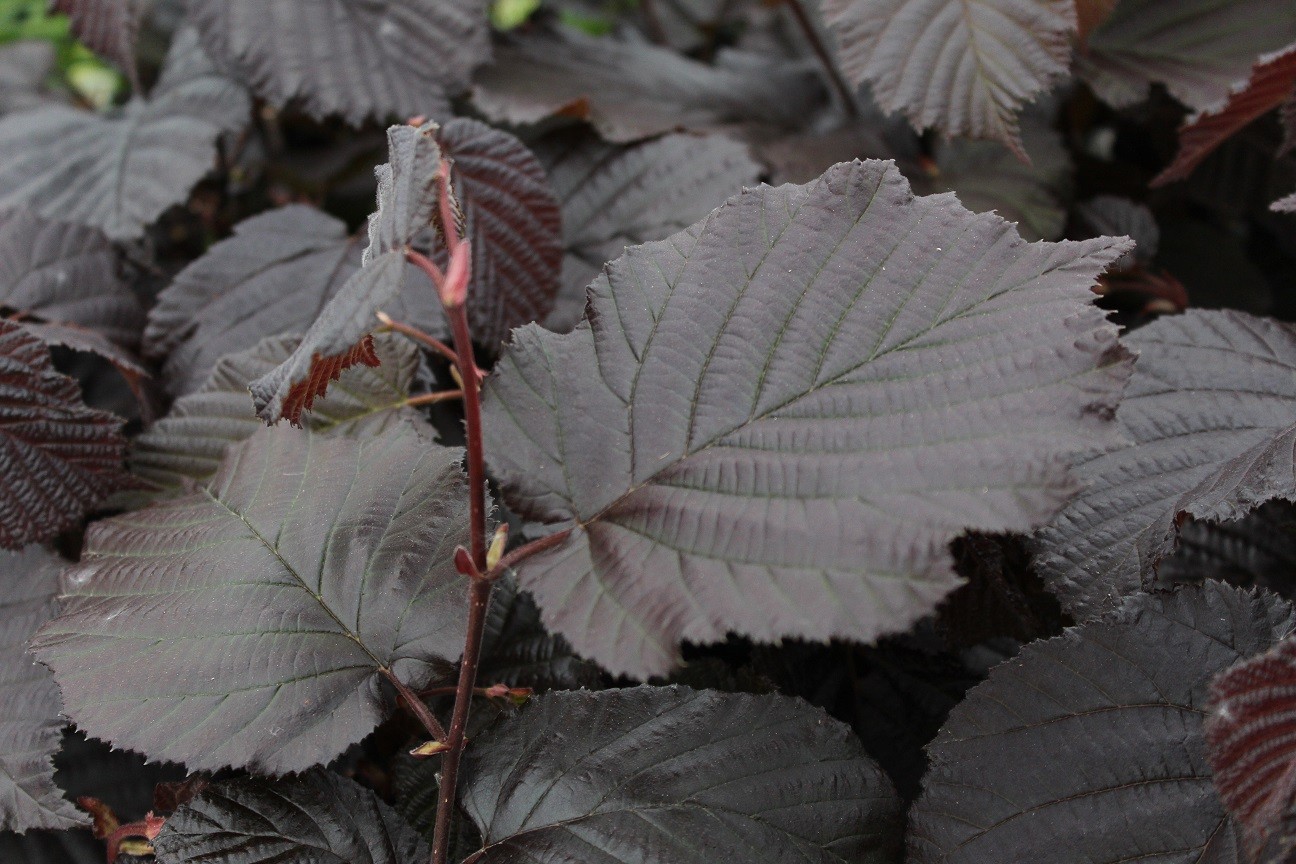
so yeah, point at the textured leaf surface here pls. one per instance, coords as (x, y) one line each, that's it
(188, 444)
(65, 273)
(613, 197)
(107, 27)
(518, 651)
(1199, 49)
(339, 337)
(630, 91)
(752, 433)
(1089, 747)
(1209, 416)
(515, 225)
(317, 818)
(24, 68)
(1115, 216)
(304, 568)
(1258, 549)
(1251, 738)
(362, 59)
(119, 171)
(58, 458)
(669, 775)
(962, 66)
(29, 701)
(1268, 87)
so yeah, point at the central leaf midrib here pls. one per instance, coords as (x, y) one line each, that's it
(292, 571)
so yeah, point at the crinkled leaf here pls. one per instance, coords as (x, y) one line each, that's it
(1250, 734)
(305, 568)
(630, 91)
(107, 27)
(65, 273)
(29, 701)
(119, 171)
(1209, 419)
(518, 651)
(669, 775)
(753, 430)
(58, 458)
(1089, 747)
(1199, 49)
(339, 337)
(515, 225)
(1258, 549)
(962, 66)
(361, 59)
(1269, 86)
(188, 444)
(24, 68)
(613, 197)
(317, 818)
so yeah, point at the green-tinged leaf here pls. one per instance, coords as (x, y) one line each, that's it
(29, 701)
(774, 422)
(107, 27)
(1089, 747)
(339, 337)
(58, 458)
(1199, 49)
(361, 59)
(962, 66)
(249, 623)
(1208, 418)
(119, 171)
(613, 197)
(669, 775)
(317, 818)
(187, 445)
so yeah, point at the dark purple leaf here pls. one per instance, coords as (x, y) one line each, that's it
(613, 197)
(64, 273)
(107, 27)
(1258, 549)
(119, 171)
(1209, 417)
(1268, 87)
(58, 458)
(339, 337)
(299, 573)
(1089, 747)
(630, 91)
(51, 847)
(515, 225)
(361, 59)
(29, 701)
(669, 775)
(25, 67)
(187, 445)
(518, 651)
(317, 818)
(1114, 216)
(1251, 738)
(1198, 49)
(962, 66)
(754, 430)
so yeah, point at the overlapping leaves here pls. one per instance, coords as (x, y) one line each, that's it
(119, 171)
(249, 623)
(675, 776)
(764, 402)
(1089, 747)
(58, 458)
(1209, 417)
(108, 27)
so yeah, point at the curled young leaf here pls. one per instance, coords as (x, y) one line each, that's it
(754, 430)
(58, 458)
(119, 171)
(1089, 746)
(1209, 417)
(250, 623)
(107, 27)
(339, 337)
(361, 59)
(669, 775)
(962, 66)
(317, 818)
(29, 701)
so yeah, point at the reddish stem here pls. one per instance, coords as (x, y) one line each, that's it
(433, 398)
(416, 706)
(413, 332)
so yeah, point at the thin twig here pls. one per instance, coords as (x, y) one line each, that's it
(416, 706)
(844, 92)
(433, 398)
(413, 332)
(525, 551)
